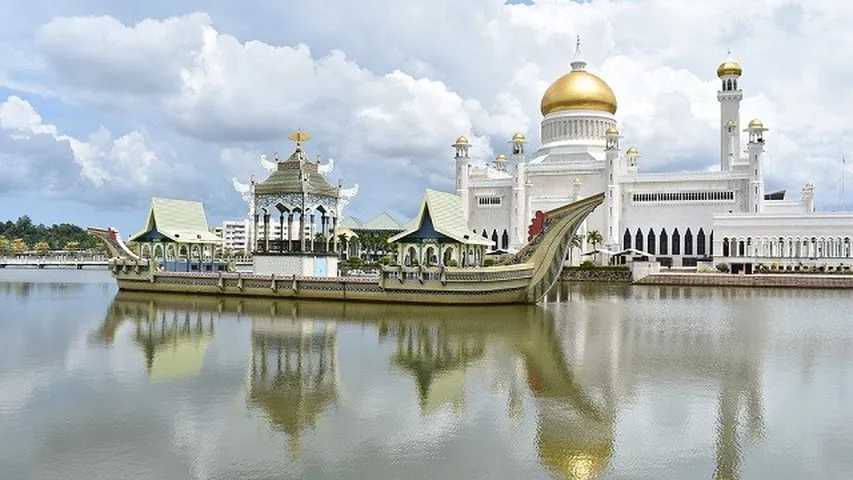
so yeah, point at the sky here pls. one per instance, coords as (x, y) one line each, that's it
(105, 104)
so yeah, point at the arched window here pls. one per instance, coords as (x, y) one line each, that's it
(688, 242)
(676, 242)
(741, 248)
(638, 240)
(626, 240)
(725, 247)
(664, 243)
(495, 239)
(700, 242)
(712, 243)
(505, 240)
(650, 242)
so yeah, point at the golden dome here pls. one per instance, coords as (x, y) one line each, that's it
(501, 158)
(729, 67)
(462, 140)
(578, 90)
(632, 151)
(519, 137)
(612, 131)
(756, 123)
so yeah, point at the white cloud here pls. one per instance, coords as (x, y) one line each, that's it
(389, 109)
(38, 156)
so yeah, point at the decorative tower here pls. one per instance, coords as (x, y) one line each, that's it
(755, 149)
(633, 156)
(808, 197)
(518, 141)
(462, 159)
(500, 162)
(613, 195)
(729, 97)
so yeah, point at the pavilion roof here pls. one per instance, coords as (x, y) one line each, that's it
(296, 175)
(350, 222)
(178, 221)
(448, 218)
(383, 221)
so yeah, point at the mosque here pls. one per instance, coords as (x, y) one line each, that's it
(679, 218)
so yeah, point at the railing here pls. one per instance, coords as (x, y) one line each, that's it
(68, 261)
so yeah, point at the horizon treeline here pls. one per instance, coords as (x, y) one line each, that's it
(14, 236)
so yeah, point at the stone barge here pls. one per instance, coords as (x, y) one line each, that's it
(526, 278)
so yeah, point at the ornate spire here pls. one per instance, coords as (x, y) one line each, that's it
(578, 63)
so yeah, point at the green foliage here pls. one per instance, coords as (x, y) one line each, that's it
(488, 262)
(19, 246)
(353, 262)
(42, 247)
(452, 263)
(594, 237)
(723, 268)
(57, 236)
(5, 246)
(587, 265)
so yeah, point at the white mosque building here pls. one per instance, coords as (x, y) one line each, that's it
(678, 218)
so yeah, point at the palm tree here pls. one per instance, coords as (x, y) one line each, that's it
(594, 237)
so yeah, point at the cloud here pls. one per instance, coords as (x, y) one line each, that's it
(38, 157)
(385, 87)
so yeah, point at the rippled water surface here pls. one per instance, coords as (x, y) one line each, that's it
(601, 382)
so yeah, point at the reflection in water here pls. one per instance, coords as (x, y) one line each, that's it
(172, 340)
(293, 372)
(578, 360)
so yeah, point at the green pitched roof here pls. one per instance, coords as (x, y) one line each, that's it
(448, 218)
(296, 175)
(383, 221)
(178, 221)
(350, 222)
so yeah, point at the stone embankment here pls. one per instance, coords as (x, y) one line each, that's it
(607, 274)
(755, 280)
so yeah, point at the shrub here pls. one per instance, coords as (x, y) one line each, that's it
(452, 263)
(723, 268)
(587, 265)
(488, 262)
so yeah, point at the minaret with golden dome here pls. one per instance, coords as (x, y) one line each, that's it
(729, 96)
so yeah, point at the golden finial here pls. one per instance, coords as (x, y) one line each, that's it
(299, 136)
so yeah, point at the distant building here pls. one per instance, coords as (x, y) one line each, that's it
(235, 235)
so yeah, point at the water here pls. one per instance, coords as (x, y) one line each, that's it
(601, 382)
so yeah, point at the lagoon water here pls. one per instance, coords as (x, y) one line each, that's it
(602, 381)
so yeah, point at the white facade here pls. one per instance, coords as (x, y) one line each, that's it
(673, 216)
(235, 235)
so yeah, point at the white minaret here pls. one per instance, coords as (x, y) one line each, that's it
(518, 141)
(729, 96)
(633, 156)
(755, 150)
(613, 195)
(808, 197)
(462, 159)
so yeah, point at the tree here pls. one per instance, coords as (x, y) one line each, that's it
(19, 246)
(5, 246)
(594, 237)
(42, 247)
(72, 246)
(342, 241)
